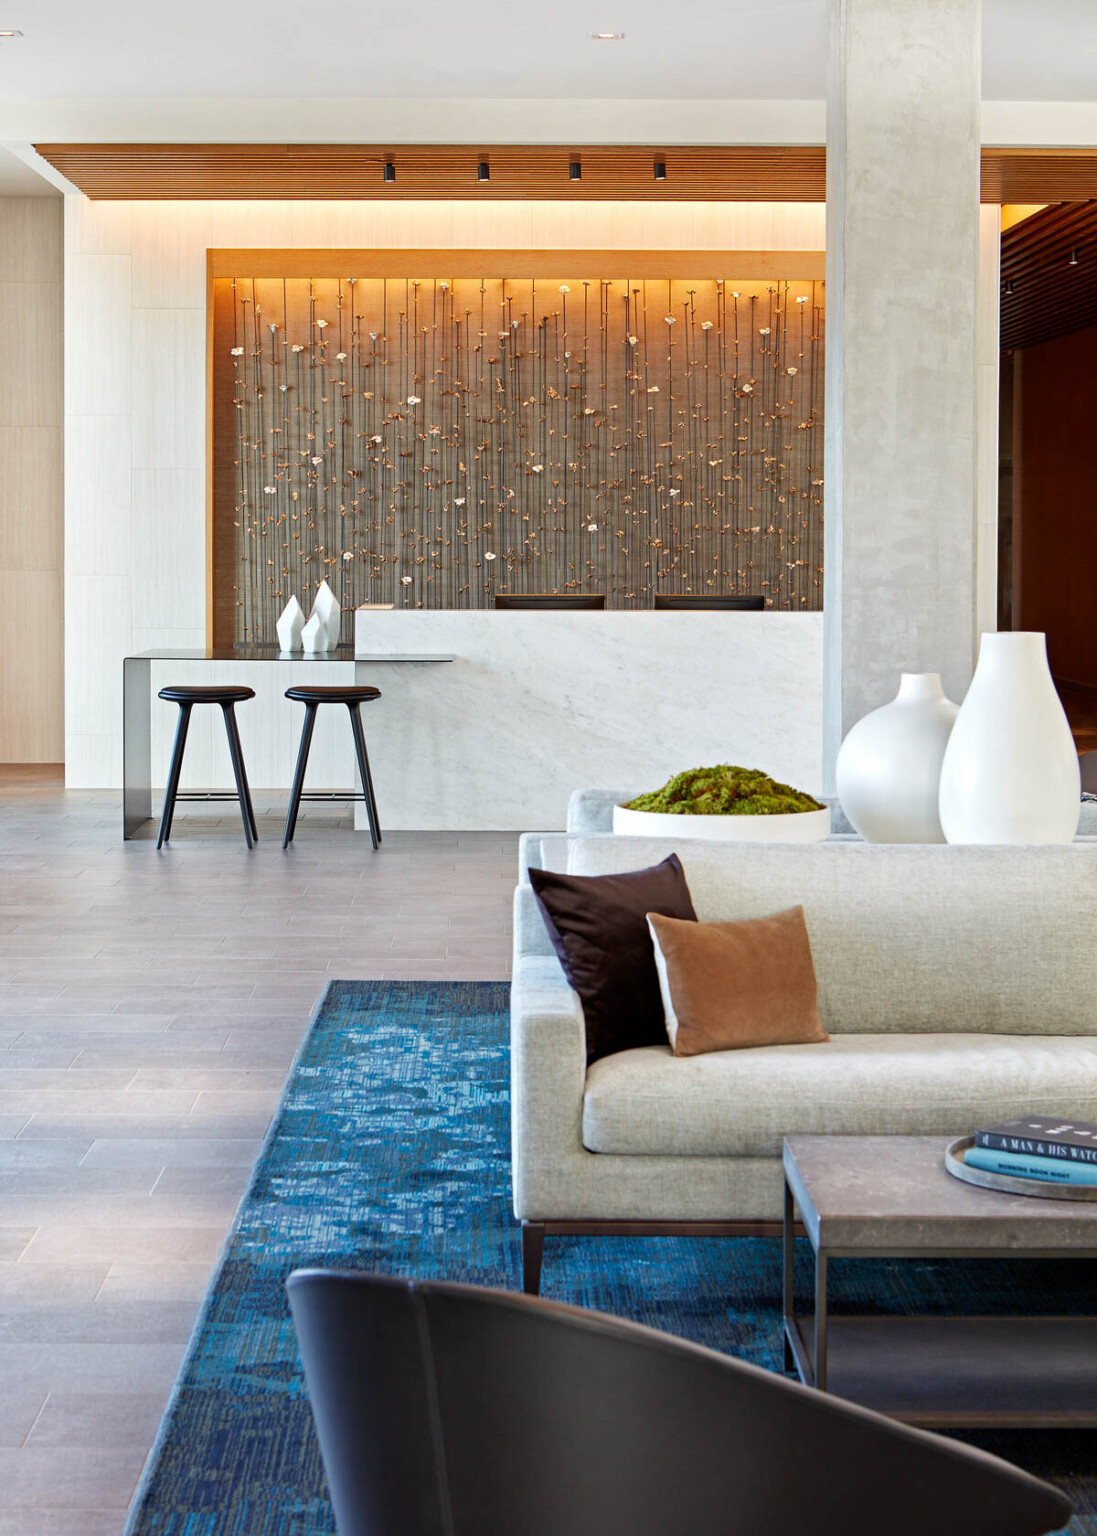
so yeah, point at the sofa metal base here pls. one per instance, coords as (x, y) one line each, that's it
(535, 1232)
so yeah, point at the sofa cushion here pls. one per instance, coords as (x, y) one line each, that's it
(909, 938)
(741, 1103)
(599, 930)
(730, 986)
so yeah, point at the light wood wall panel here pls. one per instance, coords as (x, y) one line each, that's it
(31, 494)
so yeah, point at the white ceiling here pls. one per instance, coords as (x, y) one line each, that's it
(18, 180)
(1034, 50)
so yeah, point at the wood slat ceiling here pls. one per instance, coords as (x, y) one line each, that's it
(747, 173)
(1049, 297)
(336, 171)
(1038, 175)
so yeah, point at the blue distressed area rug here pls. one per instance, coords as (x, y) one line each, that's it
(391, 1152)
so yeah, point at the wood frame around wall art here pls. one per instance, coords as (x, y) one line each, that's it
(805, 266)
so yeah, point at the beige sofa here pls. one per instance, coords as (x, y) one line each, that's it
(959, 986)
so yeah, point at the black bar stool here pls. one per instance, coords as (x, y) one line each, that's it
(312, 698)
(186, 696)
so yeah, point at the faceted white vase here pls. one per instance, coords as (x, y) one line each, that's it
(1010, 773)
(289, 625)
(314, 636)
(326, 609)
(889, 766)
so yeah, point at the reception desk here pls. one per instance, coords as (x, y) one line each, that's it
(535, 705)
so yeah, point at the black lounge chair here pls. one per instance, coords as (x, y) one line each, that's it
(446, 1410)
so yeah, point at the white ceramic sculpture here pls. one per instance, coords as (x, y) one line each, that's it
(888, 772)
(314, 636)
(1010, 773)
(290, 625)
(326, 608)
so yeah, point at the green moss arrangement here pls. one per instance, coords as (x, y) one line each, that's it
(724, 791)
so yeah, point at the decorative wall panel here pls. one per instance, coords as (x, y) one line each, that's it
(432, 442)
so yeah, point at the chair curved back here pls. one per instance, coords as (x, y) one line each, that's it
(448, 1410)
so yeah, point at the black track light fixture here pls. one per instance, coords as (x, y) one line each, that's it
(483, 171)
(660, 170)
(575, 170)
(388, 172)
(1073, 262)
(1009, 288)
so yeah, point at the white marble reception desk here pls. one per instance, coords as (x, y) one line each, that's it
(537, 704)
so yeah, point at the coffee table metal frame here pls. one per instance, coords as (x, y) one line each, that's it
(806, 1338)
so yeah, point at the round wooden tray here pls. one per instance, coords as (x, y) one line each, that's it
(1007, 1183)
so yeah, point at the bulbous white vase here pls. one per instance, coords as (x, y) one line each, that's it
(889, 766)
(1010, 773)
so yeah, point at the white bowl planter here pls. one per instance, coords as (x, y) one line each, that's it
(792, 827)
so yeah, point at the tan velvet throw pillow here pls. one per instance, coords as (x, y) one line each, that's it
(730, 985)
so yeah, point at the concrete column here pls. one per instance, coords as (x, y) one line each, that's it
(902, 261)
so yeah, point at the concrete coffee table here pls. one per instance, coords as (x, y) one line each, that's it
(890, 1197)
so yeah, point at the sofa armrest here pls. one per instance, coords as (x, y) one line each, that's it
(530, 934)
(542, 850)
(591, 810)
(548, 1068)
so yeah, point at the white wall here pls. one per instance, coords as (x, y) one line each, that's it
(135, 295)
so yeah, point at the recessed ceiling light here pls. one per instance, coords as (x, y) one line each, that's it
(607, 37)
(10, 34)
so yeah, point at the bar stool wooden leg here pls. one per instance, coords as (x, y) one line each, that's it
(366, 776)
(247, 815)
(173, 775)
(299, 774)
(243, 779)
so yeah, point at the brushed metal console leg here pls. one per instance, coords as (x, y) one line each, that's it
(821, 1321)
(788, 1247)
(136, 744)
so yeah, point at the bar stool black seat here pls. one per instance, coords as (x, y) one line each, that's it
(186, 695)
(312, 697)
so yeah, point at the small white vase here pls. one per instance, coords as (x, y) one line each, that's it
(326, 609)
(290, 624)
(314, 636)
(889, 766)
(1010, 773)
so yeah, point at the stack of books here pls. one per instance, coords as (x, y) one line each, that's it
(1053, 1151)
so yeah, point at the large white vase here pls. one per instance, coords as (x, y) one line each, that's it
(889, 766)
(1010, 773)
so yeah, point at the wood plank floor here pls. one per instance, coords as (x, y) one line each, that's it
(150, 1006)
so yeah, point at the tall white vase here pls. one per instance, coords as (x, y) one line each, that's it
(1010, 773)
(889, 766)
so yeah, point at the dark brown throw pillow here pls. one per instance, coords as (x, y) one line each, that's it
(598, 927)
